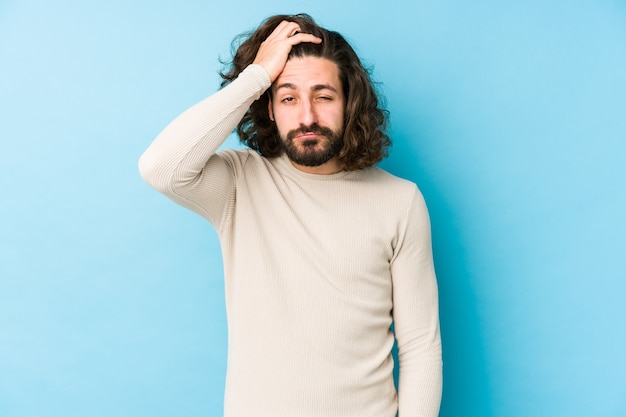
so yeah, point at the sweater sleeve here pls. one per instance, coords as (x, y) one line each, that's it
(416, 317)
(182, 162)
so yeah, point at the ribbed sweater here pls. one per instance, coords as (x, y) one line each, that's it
(316, 269)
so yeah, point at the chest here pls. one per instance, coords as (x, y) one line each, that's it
(342, 232)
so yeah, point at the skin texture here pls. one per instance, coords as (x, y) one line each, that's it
(306, 95)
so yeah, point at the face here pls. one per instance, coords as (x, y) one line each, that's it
(308, 107)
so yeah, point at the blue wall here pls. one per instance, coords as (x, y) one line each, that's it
(509, 116)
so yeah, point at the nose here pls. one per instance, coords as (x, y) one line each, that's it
(307, 115)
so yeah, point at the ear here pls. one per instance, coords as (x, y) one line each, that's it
(269, 108)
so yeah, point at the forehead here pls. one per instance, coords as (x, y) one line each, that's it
(307, 72)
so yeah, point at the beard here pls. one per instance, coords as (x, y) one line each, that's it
(312, 152)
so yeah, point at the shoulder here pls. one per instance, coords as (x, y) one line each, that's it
(378, 178)
(406, 193)
(396, 194)
(235, 154)
(245, 161)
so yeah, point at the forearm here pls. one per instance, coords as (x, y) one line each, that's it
(179, 154)
(419, 352)
(420, 385)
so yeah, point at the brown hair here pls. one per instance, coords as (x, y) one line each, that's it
(364, 139)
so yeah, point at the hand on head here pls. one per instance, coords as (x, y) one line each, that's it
(274, 51)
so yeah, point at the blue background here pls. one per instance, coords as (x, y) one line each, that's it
(508, 114)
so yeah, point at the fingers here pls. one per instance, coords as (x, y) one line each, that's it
(274, 50)
(285, 29)
(291, 31)
(304, 37)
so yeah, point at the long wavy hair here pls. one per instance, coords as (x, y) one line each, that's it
(364, 139)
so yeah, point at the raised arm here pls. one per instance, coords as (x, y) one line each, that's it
(181, 162)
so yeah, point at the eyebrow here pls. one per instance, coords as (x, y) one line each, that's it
(317, 87)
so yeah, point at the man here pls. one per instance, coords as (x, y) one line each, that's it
(322, 250)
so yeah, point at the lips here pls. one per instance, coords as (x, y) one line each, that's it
(307, 136)
(310, 133)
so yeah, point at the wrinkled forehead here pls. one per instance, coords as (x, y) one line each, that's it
(308, 73)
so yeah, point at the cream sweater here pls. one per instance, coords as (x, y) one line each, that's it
(316, 269)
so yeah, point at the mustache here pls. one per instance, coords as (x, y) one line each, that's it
(314, 128)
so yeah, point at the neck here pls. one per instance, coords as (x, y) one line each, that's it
(331, 167)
